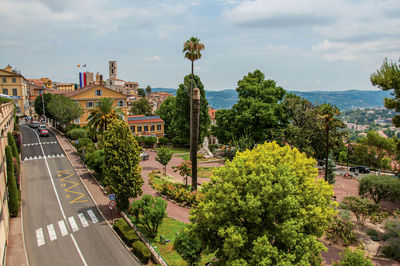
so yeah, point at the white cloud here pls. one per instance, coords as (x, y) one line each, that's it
(154, 58)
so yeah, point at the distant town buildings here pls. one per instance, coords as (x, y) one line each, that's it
(141, 125)
(157, 98)
(113, 82)
(15, 86)
(65, 86)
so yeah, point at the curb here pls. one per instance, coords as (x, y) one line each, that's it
(95, 203)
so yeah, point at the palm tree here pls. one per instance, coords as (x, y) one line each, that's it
(327, 115)
(192, 48)
(102, 115)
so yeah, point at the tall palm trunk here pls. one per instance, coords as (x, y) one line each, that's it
(194, 139)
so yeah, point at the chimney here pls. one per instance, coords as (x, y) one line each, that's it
(101, 79)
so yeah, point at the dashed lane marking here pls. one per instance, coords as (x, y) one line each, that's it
(83, 219)
(44, 157)
(52, 232)
(92, 216)
(34, 144)
(40, 237)
(73, 224)
(63, 228)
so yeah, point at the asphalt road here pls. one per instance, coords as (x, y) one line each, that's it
(61, 223)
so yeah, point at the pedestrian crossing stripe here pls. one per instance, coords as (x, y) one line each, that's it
(44, 157)
(51, 230)
(34, 144)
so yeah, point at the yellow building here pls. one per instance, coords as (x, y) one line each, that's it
(14, 85)
(6, 125)
(142, 125)
(88, 97)
(47, 83)
(65, 86)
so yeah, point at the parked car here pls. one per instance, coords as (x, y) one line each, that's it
(361, 169)
(41, 127)
(44, 133)
(34, 124)
(144, 156)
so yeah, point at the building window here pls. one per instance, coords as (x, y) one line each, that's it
(133, 129)
(5, 91)
(89, 104)
(15, 92)
(158, 127)
(146, 128)
(120, 103)
(4, 80)
(152, 128)
(139, 128)
(99, 93)
(77, 121)
(14, 80)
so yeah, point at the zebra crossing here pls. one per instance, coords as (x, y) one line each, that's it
(51, 229)
(43, 157)
(33, 144)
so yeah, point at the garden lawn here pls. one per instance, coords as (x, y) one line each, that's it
(205, 172)
(168, 229)
(185, 156)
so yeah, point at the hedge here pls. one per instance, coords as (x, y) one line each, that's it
(77, 133)
(13, 201)
(380, 188)
(141, 251)
(125, 231)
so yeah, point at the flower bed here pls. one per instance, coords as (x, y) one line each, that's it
(178, 192)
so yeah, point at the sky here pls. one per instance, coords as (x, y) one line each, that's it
(304, 45)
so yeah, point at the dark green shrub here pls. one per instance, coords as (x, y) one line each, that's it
(85, 143)
(125, 232)
(373, 234)
(361, 207)
(341, 230)
(141, 251)
(188, 247)
(353, 258)
(13, 199)
(94, 160)
(212, 147)
(150, 141)
(380, 188)
(17, 173)
(393, 249)
(344, 215)
(163, 141)
(13, 144)
(18, 140)
(71, 126)
(77, 133)
(140, 140)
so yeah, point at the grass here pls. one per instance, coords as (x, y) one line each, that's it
(185, 156)
(168, 229)
(205, 172)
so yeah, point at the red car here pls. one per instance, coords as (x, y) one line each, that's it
(44, 133)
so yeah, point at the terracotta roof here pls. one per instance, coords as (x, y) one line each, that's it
(75, 92)
(135, 119)
(37, 82)
(211, 113)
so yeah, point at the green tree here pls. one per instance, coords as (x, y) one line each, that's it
(148, 89)
(13, 199)
(387, 78)
(39, 105)
(188, 247)
(149, 212)
(266, 207)
(64, 109)
(258, 112)
(141, 107)
(184, 170)
(102, 115)
(141, 92)
(360, 207)
(328, 114)
(379, 188)
(121, 171)
(353, 258)
(167, 113)
(181, 121)
(164, 155)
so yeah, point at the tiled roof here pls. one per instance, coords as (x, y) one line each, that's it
(133, 119)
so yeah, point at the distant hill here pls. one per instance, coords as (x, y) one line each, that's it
(345, 100)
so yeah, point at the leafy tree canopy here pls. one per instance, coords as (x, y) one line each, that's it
(167, 113)
(388, 78)
(265, 207)
(141, 107)
(64, 109)
(164, 155)
(141, 92)
(121, 171)
(39, 105)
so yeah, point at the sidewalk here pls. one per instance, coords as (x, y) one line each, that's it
(15, 246)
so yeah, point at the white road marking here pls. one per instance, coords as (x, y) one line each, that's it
(52, 232)
(83, 219)
(73, 224)
(79, 251)
(26, 158)
(92, 216)
(63, 228)
(39, 237)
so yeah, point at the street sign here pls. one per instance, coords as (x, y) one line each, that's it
(112, 203)
(111, 196)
